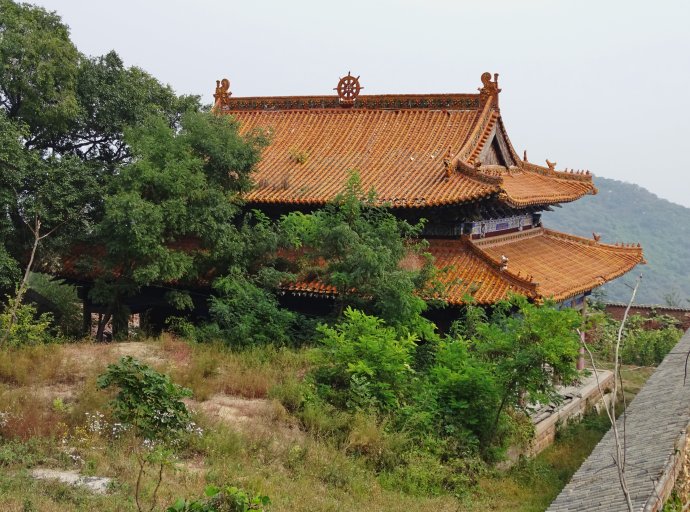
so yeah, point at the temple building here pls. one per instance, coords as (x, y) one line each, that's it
(443, 157)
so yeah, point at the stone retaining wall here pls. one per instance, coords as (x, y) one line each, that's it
(682, 486)
(579, 400)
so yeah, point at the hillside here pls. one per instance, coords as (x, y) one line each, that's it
(623, 212)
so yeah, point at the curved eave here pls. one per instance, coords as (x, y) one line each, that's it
(559, 264)
(483, 191)
(517, 201)
(523, 184)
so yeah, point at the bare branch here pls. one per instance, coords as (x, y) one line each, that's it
(619, 458)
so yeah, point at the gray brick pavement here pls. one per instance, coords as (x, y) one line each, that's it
(656, 423)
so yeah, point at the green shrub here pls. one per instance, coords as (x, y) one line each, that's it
(466, 389)
(645, 341)
(147, 401)
(28, 328)
(63, 302)
(648, 347)
(245, 315)
(365, 364)
(229, 499)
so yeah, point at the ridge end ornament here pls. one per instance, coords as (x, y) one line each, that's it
(490, 89)
(222, 94)
(348, 89)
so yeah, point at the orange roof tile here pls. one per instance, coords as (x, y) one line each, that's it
(414, 150)
(541, 264)
(558, 264)
(397, 152)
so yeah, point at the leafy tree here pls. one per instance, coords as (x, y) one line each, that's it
(41, 198)
(171, 216)
(245, 314)
(367, 253)
(38, 71)
(72, 104)
(531, 349)
(63, 118)
(111, 98)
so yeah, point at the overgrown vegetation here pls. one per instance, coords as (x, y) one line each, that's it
(646, 341)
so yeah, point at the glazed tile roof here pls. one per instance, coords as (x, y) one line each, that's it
(542, 264)
(414, 150)
(558, 264)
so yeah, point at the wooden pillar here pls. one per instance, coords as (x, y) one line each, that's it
(121, 323)
(86, 315)
(153, 320)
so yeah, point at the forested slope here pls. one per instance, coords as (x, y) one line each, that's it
(623, 212)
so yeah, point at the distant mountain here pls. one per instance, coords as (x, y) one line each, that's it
(623, 212)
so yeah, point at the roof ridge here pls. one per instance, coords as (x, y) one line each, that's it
(649, 306)
(552, 173)
(476, 174)
(481, 123)
(497, 267)
(486, 133)
(432, 101)
(618, 246)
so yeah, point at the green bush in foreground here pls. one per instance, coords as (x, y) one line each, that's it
(365, 364)
(426, 428)
(229, 499)
(27, 328)
(149, 405)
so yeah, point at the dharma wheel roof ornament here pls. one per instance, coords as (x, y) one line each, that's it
(348, 89)
(489, 89)
(222, 94)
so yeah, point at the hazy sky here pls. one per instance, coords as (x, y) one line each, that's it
(592, 84)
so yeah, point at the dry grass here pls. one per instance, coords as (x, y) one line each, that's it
(40, 364)
(250, 441)
(211, 368)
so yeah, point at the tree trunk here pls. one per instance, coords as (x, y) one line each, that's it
(103, 320)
